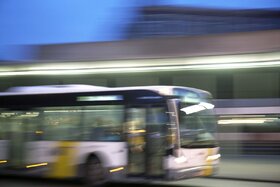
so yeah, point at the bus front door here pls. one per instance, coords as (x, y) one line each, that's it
(145, 137)
(22, 136)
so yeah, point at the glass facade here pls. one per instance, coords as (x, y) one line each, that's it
(179, 21)
(249, 134)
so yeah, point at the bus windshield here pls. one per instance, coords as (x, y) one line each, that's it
(197, 129)
(197, 121)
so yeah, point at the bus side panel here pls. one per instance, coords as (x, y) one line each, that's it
(65, 157)
(55, 159)
(193, 162)
(64, 163)
(40, 152)
(111, 154)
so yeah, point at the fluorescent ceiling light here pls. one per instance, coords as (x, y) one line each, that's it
(246, 121)
(146, 65)
(100, 98)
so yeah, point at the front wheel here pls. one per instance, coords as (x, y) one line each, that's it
(95, 173)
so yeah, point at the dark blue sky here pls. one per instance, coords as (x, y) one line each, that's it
(63, 21)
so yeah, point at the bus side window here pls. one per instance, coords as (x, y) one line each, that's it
(3, 127)
(62, 123)
(103, 122)
(33, 126)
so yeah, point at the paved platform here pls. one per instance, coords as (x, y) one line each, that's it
(258, 168)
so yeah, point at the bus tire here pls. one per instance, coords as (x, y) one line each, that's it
(95, 174)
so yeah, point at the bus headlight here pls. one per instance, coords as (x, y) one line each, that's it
(213, 157)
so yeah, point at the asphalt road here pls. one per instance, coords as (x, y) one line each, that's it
(197, 182)
(234, 171)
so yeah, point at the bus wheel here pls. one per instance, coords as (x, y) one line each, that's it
(95, 173)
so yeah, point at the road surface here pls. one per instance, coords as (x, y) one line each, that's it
(197, 182)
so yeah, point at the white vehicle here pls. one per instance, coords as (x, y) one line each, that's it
(103, 134)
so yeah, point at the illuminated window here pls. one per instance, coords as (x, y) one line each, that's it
(62, 123)
(103, 123)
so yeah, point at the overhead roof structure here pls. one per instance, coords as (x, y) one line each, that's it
(218, 51)
(165, 47)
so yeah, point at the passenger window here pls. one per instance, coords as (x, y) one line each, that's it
(31, 123)
(3, 127)
(103, 123)
(62, 123)
(23, 122)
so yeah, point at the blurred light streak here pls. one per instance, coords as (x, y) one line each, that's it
(142, 69)
(247, 110)
(148, 65)
(3, 161)
(39, 132)
(242, 136)
(137, 131)
(116, 169)
(37, 165)
(246, 121)
(100, 98)
(242, 116)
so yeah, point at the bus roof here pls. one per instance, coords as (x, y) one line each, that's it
(79, 88)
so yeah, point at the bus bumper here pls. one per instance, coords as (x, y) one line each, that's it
(199, 171)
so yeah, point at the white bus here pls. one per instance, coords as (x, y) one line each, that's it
(108, 134)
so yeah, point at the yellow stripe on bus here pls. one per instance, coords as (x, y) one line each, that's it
(3, 161)
(37, 165)
(209, 168)
(64, 165)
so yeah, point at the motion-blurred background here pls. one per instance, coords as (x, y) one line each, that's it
(230, 48)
